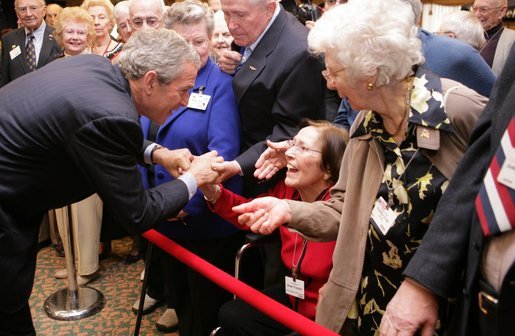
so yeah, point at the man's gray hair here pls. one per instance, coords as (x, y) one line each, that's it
(42, 1)
(160, 50)
(189, 12)
(121, 5)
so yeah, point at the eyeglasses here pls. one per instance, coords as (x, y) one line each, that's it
(300, 148)
(151, 21)
(23, 10)
(330, 75)
(200, 43)
(483, 9)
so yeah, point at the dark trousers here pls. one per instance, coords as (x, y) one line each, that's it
(196, 299)
(239, 318)
(18, 323)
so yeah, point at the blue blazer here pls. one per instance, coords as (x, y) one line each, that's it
(216, 128)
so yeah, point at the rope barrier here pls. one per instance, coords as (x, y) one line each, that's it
(258, 300)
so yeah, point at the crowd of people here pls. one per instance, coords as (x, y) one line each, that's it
(378, 155)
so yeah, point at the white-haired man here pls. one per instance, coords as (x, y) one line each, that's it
(499, 39)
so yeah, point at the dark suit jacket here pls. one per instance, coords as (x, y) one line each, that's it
(454, 241)
(76, 134)
(17, 67)
(279, 85)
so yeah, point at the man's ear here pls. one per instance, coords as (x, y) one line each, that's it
(149, 81)
(270, 9)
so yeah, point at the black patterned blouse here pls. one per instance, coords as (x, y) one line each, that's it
(412, 187)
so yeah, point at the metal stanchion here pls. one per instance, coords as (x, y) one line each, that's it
(139, 315)
(73, 302)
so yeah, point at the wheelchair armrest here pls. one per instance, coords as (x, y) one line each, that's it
(259, 239)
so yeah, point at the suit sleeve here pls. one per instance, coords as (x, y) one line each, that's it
(106, 150)
(300, 95)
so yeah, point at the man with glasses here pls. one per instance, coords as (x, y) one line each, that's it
(499, 39)
(146, 13)
(29, 47)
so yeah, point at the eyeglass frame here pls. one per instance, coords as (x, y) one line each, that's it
(300, 148)
(198, 43)
(483, 9)
(330, 75)
(145, 20)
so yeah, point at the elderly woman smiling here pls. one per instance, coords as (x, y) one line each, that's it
(313, 160)
(74, 31)
(405, 144)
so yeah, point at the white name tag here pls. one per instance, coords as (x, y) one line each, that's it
(198, 101)
(507, 172)
(294, 287)
(383, 216)
(15, 52)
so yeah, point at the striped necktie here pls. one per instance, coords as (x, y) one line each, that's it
(495, 203)
(31, 52)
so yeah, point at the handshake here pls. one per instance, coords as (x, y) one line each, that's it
(208, 168)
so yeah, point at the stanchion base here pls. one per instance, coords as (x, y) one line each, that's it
(87, 302)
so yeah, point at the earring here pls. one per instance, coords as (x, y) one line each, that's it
(370, 86)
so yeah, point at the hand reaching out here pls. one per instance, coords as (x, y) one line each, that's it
(174, 161)
(271, 160)
(411, 309)
(229, 61)
(264, 214)
(201, 168)
(225, 169)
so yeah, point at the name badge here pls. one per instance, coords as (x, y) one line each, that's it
(15, 52)
(507, 173)
(198, 101)
(294, 287)
(383, 216)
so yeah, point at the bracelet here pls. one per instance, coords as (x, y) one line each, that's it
(215, 197)
(152, 152)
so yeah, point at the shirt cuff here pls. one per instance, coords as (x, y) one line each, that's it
(239, 167)
(190, 182)
(147, 154)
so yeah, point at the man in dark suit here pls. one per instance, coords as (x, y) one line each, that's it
(277, 83)
(79, 134)
(15, 44)
(455, 257)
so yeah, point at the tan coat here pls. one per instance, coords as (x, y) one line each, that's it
(360, 177)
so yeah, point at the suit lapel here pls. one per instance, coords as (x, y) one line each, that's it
(22, 59)
(257, 60)
(46, 47)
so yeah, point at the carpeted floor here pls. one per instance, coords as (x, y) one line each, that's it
(120, 285)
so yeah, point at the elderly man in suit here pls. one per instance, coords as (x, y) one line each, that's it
(29, 47)
(59, 148)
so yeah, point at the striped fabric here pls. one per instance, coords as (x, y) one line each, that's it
(495, 203)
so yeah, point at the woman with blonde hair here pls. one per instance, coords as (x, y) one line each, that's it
(75, 31)
(102, 12)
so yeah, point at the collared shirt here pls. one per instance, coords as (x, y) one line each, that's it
(39, 35)
(417, 186)
(253, 46)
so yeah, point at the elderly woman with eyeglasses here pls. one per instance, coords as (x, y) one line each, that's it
(313, 160)
(207, 120)
(405, 144)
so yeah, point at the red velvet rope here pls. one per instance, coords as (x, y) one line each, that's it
(258, 300)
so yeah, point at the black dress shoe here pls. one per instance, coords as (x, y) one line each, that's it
(131, 259)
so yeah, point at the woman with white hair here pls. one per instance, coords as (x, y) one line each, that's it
(405, 144)
(463, 25)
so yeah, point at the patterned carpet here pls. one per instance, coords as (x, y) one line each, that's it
(118, 282)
